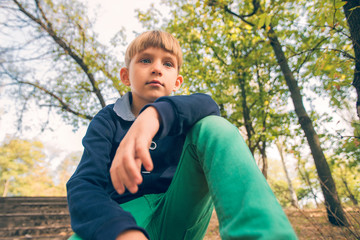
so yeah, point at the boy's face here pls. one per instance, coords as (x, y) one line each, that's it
(152, 73)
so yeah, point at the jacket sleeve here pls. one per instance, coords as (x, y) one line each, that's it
(179, 113)
(94, 215)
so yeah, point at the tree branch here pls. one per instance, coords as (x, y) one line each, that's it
(63, 105)
(309, 51)
(256, 5)
(242, 17)
(47, 26)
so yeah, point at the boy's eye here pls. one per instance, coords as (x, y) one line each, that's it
(145, 60)
(169, 64)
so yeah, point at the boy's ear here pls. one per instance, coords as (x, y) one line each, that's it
(178, 82)
(124, 76)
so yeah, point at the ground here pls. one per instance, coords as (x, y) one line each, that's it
(309, 224)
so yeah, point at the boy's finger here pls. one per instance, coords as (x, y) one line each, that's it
(129, 183)
(116, 181)
(132, 171)
(143, 154)
(121, 180)
(118, 171)
(147, 162)
(129, 173)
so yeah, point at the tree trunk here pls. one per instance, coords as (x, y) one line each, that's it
(294, 200)
(265, 166)
(248, 126)
(352, 13)
(334, 209)
(312, 191)
(246, 112)
(6, 187)
(350, 194)
(306, 178)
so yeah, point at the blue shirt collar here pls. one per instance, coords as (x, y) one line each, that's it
(122, 107)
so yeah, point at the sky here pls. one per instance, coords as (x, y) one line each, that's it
(59, 138)
(114, 14)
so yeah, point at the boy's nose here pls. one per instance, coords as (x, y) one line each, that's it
(157, 69)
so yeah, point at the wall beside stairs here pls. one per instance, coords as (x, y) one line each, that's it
(34, 218)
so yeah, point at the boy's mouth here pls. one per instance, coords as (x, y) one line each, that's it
(154, 82)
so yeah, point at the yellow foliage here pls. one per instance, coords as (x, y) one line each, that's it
(23, 171)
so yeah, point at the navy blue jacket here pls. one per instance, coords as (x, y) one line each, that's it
(93, 202)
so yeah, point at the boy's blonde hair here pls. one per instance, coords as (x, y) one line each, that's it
(156, 39)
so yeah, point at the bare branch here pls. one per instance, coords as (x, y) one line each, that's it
(226, 8)
(63, 105)
(310, 51)
(47, 26)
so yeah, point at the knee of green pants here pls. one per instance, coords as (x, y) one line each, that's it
(214, 126)
(214, 132)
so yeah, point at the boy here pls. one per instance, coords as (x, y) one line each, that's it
(154, 165)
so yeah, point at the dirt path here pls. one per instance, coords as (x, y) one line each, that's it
(310, 224)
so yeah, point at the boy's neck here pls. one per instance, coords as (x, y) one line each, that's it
(135, 110)
(136, 106)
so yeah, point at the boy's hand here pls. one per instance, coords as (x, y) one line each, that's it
(131, 235)
(133, 152)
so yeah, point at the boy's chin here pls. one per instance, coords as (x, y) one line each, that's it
(156, 96)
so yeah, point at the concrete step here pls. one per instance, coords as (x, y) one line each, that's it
(29, 237)
(59, 230)
(36, 208)
(32, 219)
(33, 204)
(31, 199)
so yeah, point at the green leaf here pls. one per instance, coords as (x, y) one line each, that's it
(261, 20)
(267, 20)
(340, 4)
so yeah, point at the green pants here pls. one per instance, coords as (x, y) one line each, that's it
(216, 168)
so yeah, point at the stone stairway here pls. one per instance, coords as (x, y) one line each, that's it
(34, 218)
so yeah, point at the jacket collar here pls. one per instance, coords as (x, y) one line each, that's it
(122, 107)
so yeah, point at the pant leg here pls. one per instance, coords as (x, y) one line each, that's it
(184, 211)
(140, 208)
(245, 205)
